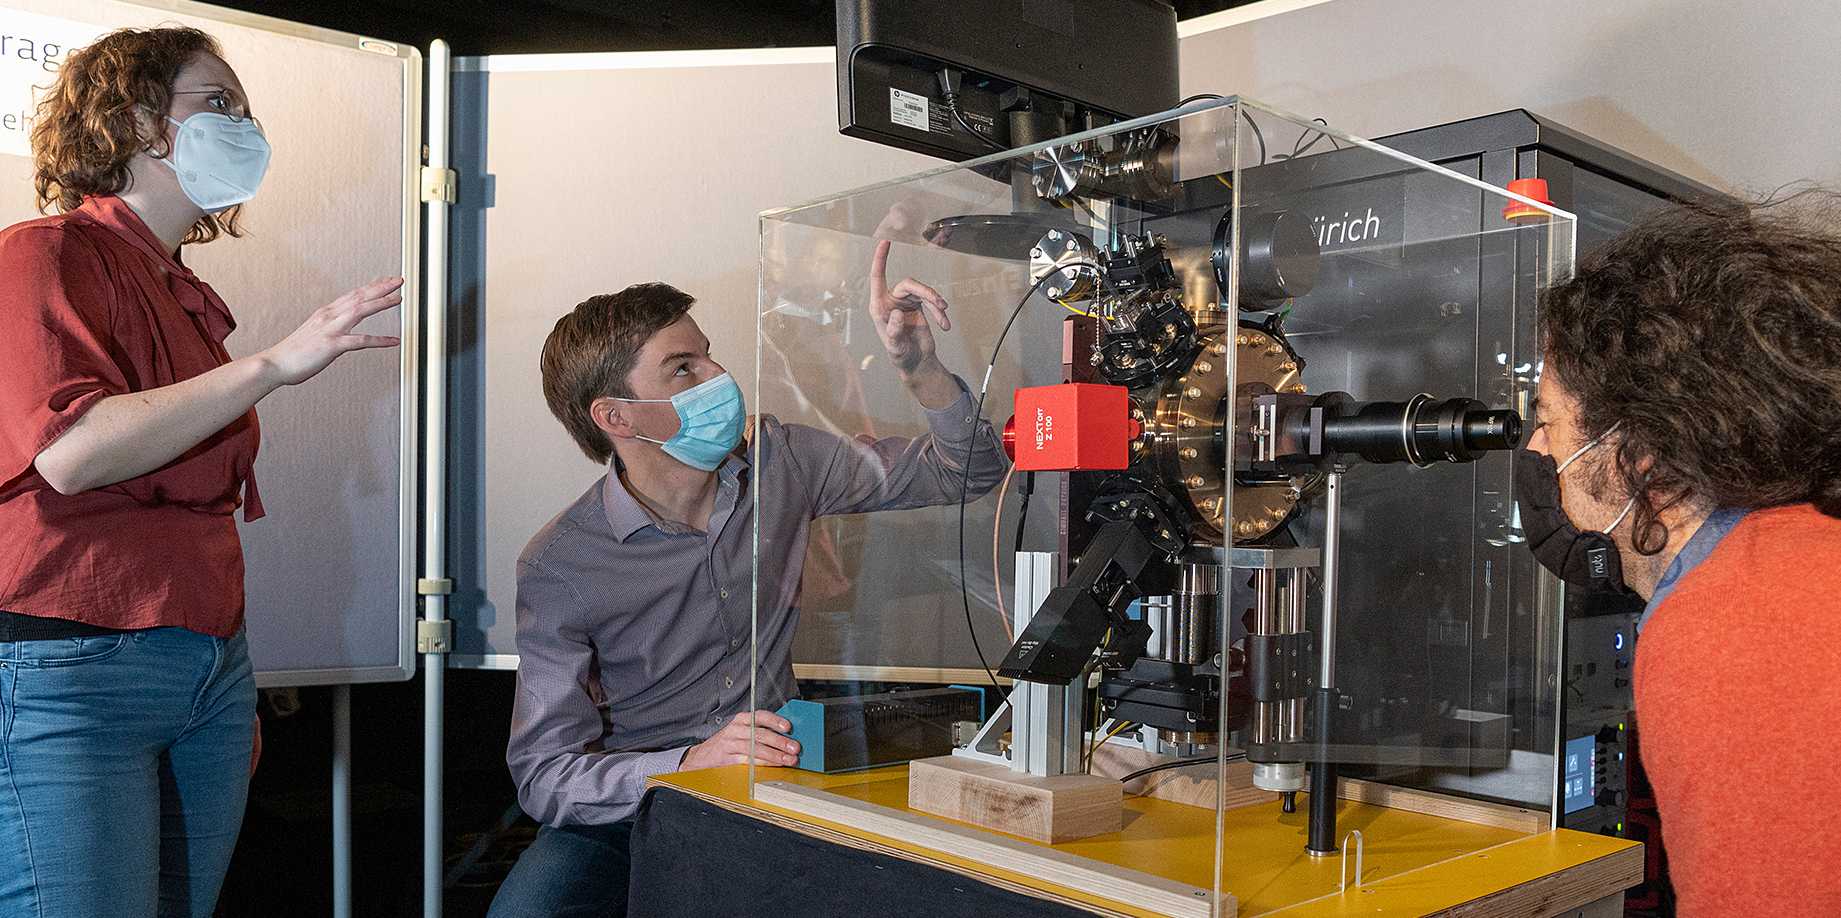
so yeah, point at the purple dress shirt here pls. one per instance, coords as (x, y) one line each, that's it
(633, 632)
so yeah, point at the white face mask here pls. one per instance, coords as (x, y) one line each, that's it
(1586, 449)
(220, 161)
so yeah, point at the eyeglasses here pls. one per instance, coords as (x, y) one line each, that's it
(221, 101)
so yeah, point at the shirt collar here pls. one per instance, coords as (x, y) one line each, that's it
(112, 213)
(1700, 545)
(628, 516)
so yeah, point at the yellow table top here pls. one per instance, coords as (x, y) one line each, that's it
(1413, 864)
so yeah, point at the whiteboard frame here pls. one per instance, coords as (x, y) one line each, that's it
(410, 354)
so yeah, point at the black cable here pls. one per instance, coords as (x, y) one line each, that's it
(958, 117)
(949, 80)
(1179, 763)
(1257, 134)
(965, 480)
(1029, 487)
(1300, 148)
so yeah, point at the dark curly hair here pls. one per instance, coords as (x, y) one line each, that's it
(1710, 336)
(88, 125)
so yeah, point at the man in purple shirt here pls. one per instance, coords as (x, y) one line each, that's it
(634, 604)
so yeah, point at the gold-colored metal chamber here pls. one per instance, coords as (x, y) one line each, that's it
(1191, 414)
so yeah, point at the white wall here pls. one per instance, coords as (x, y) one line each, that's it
(1740, 95)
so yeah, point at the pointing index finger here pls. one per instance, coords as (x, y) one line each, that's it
(879, 267)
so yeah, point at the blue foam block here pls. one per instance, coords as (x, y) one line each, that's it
(808, 720)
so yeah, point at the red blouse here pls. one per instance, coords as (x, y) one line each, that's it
(92, 306)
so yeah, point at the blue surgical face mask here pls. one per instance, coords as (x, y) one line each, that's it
(220, 160)
(710, 421)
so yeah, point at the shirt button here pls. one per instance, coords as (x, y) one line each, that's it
(728, 681)
(725, 594)
(734, 643)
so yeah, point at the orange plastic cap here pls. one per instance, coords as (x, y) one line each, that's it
(1528, 188)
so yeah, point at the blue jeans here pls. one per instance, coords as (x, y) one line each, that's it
(570, 872)
(124, 768)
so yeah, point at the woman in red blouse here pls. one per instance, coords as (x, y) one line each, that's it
(127, 441)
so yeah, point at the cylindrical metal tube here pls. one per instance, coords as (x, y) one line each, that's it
(1191, 622)
(1332, 556)
(1279, 777)
(434, 484)
(1292, 729)
(1266, 714)
(341, 801)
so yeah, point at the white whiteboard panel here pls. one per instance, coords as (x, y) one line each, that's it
(330, 586)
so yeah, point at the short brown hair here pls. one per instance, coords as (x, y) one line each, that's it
(592, 349)
(88, 128)
(1710, 335)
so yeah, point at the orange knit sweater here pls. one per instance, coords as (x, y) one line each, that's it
(1738, 699)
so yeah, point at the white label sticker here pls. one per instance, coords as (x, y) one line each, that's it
(32, 48)
(908, 109)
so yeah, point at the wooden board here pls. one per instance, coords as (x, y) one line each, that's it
(1060, 868)
(1558, 893)
(1195, 786)
(1435, 804)
(1047, 809)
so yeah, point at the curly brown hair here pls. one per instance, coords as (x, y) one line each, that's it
(1710, 336)
(88, 126)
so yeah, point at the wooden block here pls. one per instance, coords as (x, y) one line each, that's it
(1052, 810)
(1194, 785)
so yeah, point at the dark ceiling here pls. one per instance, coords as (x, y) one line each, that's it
(487, 27)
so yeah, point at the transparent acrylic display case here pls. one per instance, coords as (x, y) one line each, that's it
(1298, 353)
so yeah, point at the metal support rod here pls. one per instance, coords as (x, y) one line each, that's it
(434, 481)
(1332, 558)
(1295, 622)
(1323, 790)
(341, 801)
(1322, 837)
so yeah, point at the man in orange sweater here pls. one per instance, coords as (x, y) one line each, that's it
(1692, 397)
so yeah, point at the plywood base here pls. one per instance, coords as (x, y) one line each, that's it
(1196, 786)
(1053, 810)
(1082, 874)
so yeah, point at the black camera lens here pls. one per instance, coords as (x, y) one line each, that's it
(1422, 431)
